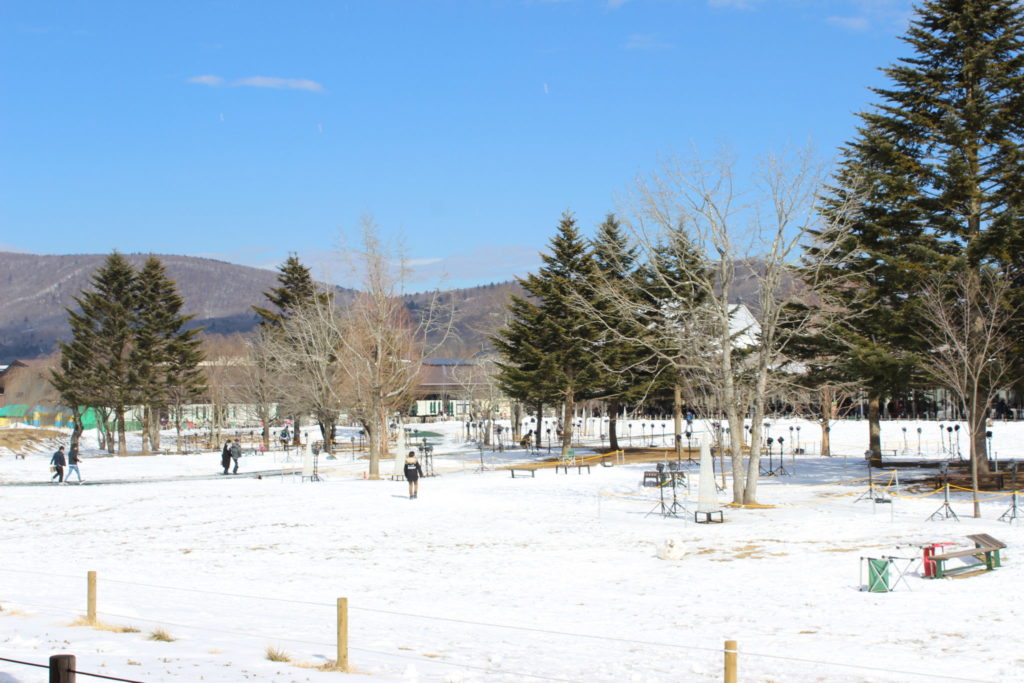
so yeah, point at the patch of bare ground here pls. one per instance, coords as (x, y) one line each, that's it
(20, 440)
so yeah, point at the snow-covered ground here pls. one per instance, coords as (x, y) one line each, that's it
(485, 577)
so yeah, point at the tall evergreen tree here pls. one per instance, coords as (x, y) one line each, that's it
(623, 364)
(297, 288)
(166, 356)
(104, 341)
(555, 333)
(939, 163)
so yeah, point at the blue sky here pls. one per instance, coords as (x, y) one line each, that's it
(244, 130)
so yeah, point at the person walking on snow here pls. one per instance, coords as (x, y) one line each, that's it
(225, 456)
(73, 462)
(57, 461)
(413, 472)
(236, 453)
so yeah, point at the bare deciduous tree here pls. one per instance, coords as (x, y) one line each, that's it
(691, 219)
(969, 325)
(305, 353)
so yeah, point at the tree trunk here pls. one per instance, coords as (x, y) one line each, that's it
(979, 457)
(875, 430)
(827, 414)
(540, 425)
(177, 427)
(77, 426)
(122, 439)
(613, 425)
(567, 420)
(517, 416)
(154, 428)
(677, 419)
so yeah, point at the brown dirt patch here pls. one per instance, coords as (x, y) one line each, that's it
(19, 440)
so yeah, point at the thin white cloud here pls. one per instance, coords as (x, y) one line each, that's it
(849, 23)
(278, 83)
(734, 4)
(615, 4)
(646, 41)
(258, 82)
(207, 79)
(11, 249)
(480, 266)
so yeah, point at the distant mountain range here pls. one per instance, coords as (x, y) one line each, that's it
(36, 289)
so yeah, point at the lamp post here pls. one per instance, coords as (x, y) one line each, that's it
(919, 441)
(960, 455)
(782, 467)
(771, 469)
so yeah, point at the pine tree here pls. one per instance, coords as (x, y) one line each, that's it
(166, 356)
(554, 341)
(297, 289)
(98, 369)
(620, 360)
(939, 163)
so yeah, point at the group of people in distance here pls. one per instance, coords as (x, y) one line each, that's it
(57, 463)
(232, 451)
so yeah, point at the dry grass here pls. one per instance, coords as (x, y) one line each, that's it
(18, 440)
(103, 626)
(329, 665)
(276, 654)
(161, 635)
(12, 612)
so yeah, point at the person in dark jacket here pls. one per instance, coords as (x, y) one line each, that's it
(225, 456)
(236, 453)
(413, 472)
(58, 465)
(73, 462)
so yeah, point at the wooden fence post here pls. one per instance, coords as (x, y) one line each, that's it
(343, 634)
(731, 656)
(62, 669)
(90, 609)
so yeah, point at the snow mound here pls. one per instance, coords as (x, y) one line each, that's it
(671, 549)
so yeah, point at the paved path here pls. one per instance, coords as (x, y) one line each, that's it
(153, 480)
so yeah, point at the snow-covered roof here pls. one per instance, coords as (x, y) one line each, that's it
(743, 326)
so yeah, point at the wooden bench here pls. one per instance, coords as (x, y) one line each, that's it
(652, 478)
(523, 471)
(986, 549)
(566, 465)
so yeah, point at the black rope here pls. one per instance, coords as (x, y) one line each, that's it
(109, 678)
(18, 661)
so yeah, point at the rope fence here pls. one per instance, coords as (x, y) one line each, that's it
(730, 651)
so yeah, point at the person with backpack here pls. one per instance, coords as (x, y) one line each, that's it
(413, 472)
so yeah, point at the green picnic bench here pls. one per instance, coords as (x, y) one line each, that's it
(986, 550)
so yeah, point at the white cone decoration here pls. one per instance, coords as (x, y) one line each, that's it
(307, 462)
(707, 494)
(400, 452)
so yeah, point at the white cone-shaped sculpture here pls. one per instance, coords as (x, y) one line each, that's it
(400, 452)
(707, 494)
(307, 462)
